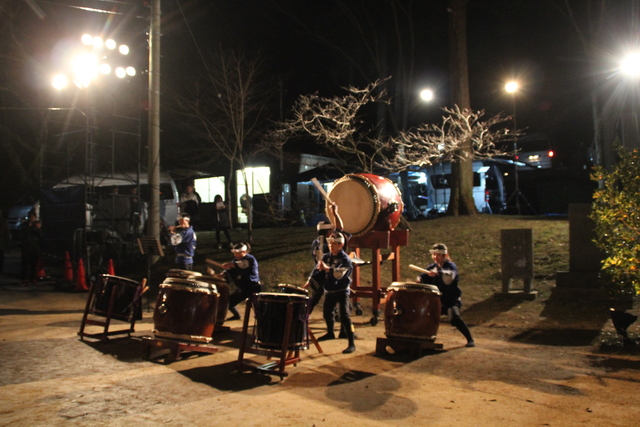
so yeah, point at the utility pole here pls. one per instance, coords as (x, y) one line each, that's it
(153, 169)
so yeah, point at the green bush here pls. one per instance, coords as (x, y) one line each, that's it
(616, 212)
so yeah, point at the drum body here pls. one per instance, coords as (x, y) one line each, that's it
(366, 202)
(412, 311)
(186, 310)
(124, 292)
(223, 290)
(271, 316)
(292, 289)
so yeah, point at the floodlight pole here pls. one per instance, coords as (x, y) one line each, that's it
(515, 150)
(153, 169)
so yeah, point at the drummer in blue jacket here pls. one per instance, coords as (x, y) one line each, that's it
(243, 271)
(334, 273)
(444, 274)
(183, 239)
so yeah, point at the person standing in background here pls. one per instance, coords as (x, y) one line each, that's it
(221, 220)
(31, 237)
(5, 237)
(190, 203)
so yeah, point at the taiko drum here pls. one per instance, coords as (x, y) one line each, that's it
(412, 311)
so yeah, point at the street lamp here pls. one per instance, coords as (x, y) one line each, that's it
(426, 95)
(94, 57)
(512, 88)
(630, 65)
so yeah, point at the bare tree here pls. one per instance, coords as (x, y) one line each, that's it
(436, 143)
(338, 124)
(335, 124)
(226, 111)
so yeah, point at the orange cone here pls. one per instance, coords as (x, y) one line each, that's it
(81, 280)
(40, 273)
(110, 270)
(68, 269)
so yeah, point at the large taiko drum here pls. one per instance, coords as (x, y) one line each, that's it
(186, 310)
(366, 202)
(271, 315)
(124, 293)
(223, 289)
(412, 311)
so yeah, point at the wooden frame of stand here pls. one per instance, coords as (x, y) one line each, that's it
(284, 354)
(175, 348)
(136, 307)
(377, 240)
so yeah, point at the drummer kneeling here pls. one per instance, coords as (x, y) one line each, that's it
(334, 272)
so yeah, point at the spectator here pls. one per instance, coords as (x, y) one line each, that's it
(31, 237)
(221, 220)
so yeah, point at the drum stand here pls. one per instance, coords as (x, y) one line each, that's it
(151, 344)
(377, 240)
(285, 356)
(415, 348)
(136, 310)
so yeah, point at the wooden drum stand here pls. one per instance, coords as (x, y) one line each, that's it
(376, 240)
(285, 355)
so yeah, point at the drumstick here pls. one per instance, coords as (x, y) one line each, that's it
(420, 269)
(321, 189)
(212, 262)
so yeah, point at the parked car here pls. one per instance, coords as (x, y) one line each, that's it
(535, 152)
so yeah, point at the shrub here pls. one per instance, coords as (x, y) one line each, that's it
(616, 212)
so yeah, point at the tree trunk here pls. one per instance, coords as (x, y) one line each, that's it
(461, 202)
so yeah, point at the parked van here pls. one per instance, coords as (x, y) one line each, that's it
(118, 201)
(488, 187)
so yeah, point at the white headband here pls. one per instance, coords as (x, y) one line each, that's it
(241, 249)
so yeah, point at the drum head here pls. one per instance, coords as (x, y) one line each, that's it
(189, 285)
(292, 289)
(175, 272)
(357, 201)
(413, 286)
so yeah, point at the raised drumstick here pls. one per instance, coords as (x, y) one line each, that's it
(420, 269)
(321, 189)
(212, 262)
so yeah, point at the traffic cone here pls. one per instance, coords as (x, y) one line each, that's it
(110, 270)
(81, 280)
(40, 273)
(68, 268)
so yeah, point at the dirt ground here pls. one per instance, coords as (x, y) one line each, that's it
(531, 367)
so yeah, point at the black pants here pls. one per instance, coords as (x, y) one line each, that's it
(226, 233)
(241, 294)
(340, 298)
(456, 320)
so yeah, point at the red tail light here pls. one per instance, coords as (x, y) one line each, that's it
(550, 153)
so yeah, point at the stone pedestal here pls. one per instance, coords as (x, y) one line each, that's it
(517, 260)
(584, 257)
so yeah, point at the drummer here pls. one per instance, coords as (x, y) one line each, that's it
(320, 246)
(444, 274)
(183, 239)
(333, 273)
(244, 272)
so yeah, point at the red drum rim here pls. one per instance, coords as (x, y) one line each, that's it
(414, 286)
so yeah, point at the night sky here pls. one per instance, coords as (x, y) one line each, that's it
(323, 45)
